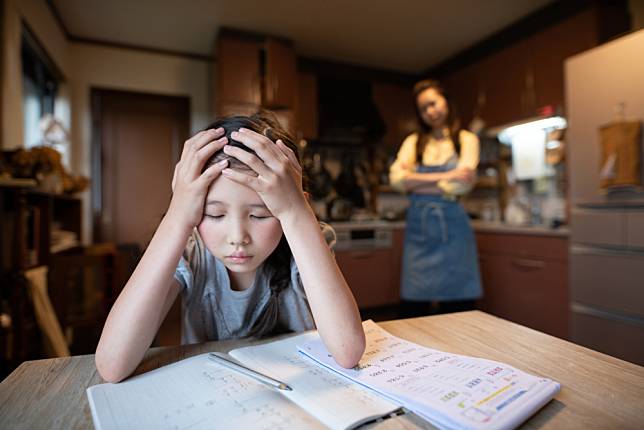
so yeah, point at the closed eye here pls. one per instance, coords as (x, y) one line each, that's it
(213, 216)
(261, 216)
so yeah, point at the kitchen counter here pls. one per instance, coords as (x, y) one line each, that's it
(477, 225)
(499, 227)
(379, 224)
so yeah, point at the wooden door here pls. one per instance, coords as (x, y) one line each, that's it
(137, 141)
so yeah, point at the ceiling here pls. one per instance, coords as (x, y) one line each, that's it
(404, 35)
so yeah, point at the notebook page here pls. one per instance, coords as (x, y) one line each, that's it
(452, 391)
(333, 399)
(194, 393)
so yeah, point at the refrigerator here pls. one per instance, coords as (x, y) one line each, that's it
(605, 86)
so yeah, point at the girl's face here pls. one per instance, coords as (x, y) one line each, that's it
(432, 107)
(238, 229)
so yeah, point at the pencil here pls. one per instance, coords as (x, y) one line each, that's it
(219, 358)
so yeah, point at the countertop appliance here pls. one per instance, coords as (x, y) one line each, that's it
(607, 230)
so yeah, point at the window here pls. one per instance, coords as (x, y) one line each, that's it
(39, 84)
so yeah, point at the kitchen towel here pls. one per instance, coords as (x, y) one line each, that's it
(621, 149)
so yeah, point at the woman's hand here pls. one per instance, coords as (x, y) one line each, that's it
(279, 174)
(190, 184)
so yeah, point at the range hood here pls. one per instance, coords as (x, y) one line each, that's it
(347, 113)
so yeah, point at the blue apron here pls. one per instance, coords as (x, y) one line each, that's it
(439, 256)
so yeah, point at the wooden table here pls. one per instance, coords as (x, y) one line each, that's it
(598, 391)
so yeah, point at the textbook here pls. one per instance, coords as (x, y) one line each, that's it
(448, 390)
(451, 391)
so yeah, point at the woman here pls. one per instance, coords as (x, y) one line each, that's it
(434, 166)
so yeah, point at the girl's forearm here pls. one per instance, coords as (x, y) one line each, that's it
(334, 308)
(139, 310)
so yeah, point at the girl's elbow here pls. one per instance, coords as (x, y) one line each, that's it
(351, 355)
(109, 368)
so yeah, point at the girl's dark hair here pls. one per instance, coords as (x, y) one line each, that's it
(424, 130)
(279, 262)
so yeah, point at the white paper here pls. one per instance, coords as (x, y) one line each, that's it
(333, 399)
(450, 390)
(194, 393)
(197, 393)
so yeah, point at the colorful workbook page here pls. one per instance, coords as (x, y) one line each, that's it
(331, 398)
(452, 391)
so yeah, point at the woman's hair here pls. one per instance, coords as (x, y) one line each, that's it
(424, 129)
(279, 262)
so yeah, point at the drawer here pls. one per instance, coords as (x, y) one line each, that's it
(606, 334)
(598, 227)
(608, 279)
(520, 288)
(635, 229)
(547, 247)
(372, 277)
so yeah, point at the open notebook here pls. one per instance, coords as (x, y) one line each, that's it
(197, 393)
(449, 390)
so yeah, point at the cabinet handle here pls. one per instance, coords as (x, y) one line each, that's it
(361, 255)
(525, 263)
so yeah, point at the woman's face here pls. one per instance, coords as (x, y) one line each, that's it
(432, 107)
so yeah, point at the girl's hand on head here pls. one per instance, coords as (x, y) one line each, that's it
(279, 174)
(189, 183)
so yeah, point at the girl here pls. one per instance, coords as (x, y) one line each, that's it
(256, 264)
(434, 166)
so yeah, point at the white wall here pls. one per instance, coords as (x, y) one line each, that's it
(85, 66)
(128, 70)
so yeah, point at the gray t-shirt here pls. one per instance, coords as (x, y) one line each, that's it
(211, 310)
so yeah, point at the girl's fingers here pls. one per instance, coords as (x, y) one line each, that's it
(202, 138)
(241, 178)
(249, 159)
(212, 172)
(289, 153)
(199, 158)
(262, 145)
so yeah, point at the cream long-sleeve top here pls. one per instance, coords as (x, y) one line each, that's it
(437, 152)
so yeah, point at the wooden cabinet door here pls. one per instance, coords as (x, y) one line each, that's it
(280, 80)
(503, 78)
(306, 106)
(465, 88)
(529, 291)
(238, 67)
(549, 50)
(396, 107)
(369, 274)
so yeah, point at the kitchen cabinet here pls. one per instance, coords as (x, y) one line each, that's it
(306, 106)
(373, 274)
(238, 72)
(280, 79)
(525, 280)
(396, 107)
(514, 82)
(253, 72)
